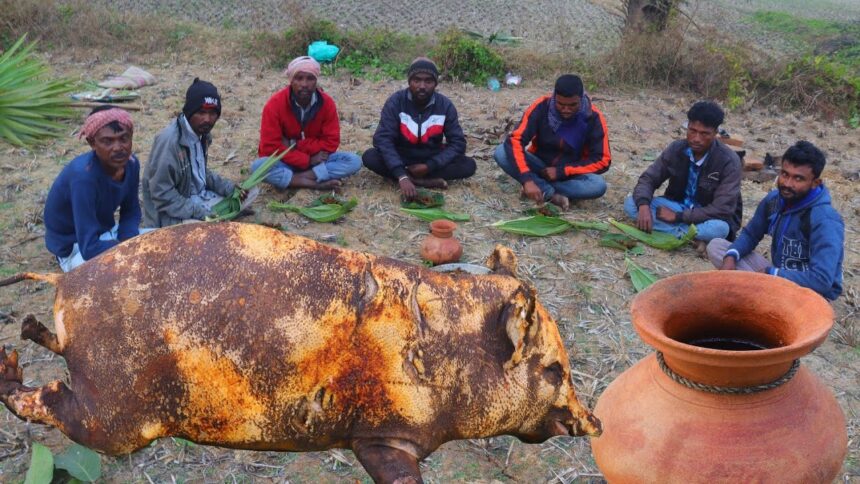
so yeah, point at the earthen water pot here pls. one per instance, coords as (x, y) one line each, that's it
(658, 428)
(440, 246)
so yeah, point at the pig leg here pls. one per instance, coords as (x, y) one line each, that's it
(387, 464)
(52, 404)
(36, 332)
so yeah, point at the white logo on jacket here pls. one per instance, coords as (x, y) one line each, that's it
(432, 126)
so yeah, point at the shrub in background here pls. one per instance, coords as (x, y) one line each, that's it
(463, 58)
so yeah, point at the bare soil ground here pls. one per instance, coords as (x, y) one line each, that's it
(583, 285)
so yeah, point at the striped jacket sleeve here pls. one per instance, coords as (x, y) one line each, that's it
(521, 137)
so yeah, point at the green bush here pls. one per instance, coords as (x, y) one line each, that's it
(815, 84)
(466, 59)
(298, 38)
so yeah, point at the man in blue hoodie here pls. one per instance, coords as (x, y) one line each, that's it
(807, 232)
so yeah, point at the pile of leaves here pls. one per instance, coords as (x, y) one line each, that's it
(427, 205)
(541, 225)
(326, 208)
(31, 103)
(230, 207)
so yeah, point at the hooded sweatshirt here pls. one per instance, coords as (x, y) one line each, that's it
(813, 259)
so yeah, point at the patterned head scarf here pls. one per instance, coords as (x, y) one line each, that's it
(100, 119)
(303, 64)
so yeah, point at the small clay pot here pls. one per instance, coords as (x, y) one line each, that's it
(440, 247)
(727, 403)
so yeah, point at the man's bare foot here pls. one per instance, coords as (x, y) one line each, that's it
(701, 248)
(560, 200)
(430, 183)
(328, 185)
(307, 179)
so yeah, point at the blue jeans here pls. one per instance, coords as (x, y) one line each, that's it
(74, 259)
(705, 231)
(340, 164)
(579, 187)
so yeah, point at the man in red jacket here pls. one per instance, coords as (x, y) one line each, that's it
(302, 114)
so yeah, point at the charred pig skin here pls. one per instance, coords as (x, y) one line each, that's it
(241, 336)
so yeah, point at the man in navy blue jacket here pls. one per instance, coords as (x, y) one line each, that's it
(79, 211)
(806, 232)
(560, 148)
(408, 143)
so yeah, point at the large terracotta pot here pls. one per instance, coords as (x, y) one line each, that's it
(440, 246)
(776, 423)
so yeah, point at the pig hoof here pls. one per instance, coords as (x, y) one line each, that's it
(11, 375)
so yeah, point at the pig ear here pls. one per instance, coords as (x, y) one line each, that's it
(518, 316)
(503, 261)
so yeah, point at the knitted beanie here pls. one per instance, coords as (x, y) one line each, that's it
(201, 95)
(423, 65)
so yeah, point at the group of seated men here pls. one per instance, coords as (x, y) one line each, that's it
(557, 152)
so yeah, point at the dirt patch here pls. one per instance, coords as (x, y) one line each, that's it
(583, 285)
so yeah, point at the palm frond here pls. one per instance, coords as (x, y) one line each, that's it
(31, 102)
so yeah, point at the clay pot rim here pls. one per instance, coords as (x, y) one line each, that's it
(681, 288)
(442, 227)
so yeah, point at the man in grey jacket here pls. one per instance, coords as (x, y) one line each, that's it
(177, 184)
(704, 183)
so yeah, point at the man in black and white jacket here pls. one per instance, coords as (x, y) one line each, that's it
(408, 144)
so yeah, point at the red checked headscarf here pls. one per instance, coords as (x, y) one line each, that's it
(303, 64)
(99, 120)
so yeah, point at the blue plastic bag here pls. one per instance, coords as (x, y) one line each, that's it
(322, 51)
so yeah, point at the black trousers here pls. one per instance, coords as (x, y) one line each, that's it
(460, 167)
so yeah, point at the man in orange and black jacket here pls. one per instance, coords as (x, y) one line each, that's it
(560, 147)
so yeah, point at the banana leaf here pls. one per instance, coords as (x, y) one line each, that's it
(535, 226)
(328, 199)
(599, 226)
(318, 213)
(425, 199)
(659, 240)
(431, 214)
(618, 241)
(640, 278)
(230, 207)
(548, 210)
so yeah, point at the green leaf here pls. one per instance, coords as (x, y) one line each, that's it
(618, 241)
(659, 240)
(328, 199)
(548, 210)
(319, 213)
(637, 250)
(639, 276)
(425, 199)
(183, 443)
(31, 102)
(600, 226)
(80, 462)
(431, 214)
(41, 469)
(260, 173)
(535, 226)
